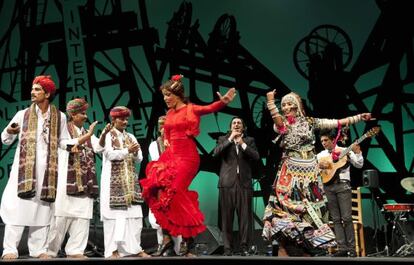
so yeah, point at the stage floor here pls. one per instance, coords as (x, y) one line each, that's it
(217, 259)
(205, 240)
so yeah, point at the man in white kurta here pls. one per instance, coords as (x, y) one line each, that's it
(33, 212)
(122, 226)
(155, 149)
(74, 211)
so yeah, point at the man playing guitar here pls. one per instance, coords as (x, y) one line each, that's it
(339, 193)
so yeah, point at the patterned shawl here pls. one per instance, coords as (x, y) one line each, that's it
(124, 186)
(27, 162)
(81, 178)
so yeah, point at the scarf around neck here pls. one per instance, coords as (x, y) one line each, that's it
(27, 178)
(124, 186)
(81, 176)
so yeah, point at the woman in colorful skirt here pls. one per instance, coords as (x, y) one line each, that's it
(296, 214)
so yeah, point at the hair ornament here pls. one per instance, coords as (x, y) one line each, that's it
(176, 78)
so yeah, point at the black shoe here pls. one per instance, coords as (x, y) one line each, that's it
(253, 250)
(183, 248)
(158, 251)
(164, 247)
(228, 252)
(187, 248)
(340, 253)
(169, 253)
(244, 252)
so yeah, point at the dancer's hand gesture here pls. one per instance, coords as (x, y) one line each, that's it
(229, 96)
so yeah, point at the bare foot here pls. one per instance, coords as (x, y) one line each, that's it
(77, 256)
(115, 255)
(282, 252)
(9, 256)
(190, 255)
(44, 256)
(142, 254)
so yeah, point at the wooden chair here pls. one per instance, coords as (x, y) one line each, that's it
(357, 221)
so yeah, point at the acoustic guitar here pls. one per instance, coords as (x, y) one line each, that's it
(328, 173)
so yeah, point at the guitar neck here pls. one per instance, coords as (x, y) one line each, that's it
(349, 148)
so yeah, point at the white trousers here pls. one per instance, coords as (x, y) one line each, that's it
(122, 235)
(154, 225)
(78, 230)
(36, 242)
(157, 227)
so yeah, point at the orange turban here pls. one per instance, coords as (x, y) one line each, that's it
(46, 82)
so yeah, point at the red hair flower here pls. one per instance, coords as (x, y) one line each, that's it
(176, 78)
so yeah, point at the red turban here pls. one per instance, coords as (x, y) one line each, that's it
(120, 112)
(76, 105)
(46, 82)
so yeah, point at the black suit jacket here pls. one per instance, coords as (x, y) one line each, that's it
(226, 152)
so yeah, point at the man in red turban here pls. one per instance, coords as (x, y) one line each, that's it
(27, 197)
(46, 83)
(120, 192)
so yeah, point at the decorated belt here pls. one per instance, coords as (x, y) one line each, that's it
(307, 154)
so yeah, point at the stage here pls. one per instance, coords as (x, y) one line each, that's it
(209, 249)
(217, 259)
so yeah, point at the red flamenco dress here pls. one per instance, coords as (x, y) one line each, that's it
(165, 189)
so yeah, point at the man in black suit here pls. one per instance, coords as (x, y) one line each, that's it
(237, 153)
